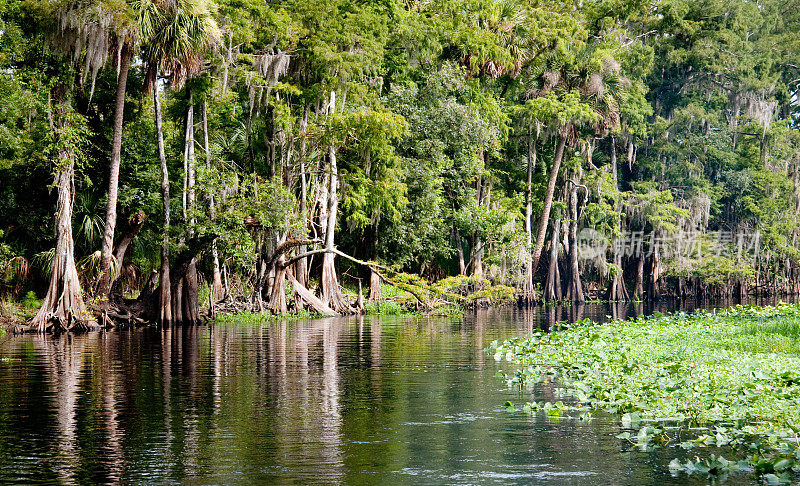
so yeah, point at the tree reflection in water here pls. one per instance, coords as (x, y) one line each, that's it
(338, 400)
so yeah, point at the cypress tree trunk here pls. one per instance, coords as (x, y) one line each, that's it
(165, 296)
(301, 267)
(189, 294)
(548, 202)
(462, 268)
(216, 288)
(638, 288)
(190, 300)
(63, 307)
(617, 290)
(331, 296)
(654, 281)
(477, 250)
(552, 289)
(477, 258)
(277, 296)
(113, 178)
(527, 287)
(575, 291)
(374, 286)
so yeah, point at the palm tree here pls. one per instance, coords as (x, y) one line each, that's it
(175, 34)
(580, 93)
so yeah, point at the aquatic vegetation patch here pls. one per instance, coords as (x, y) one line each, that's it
(727, 379)
(248, 317)
(385, 308)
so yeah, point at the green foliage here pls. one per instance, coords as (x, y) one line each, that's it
(385, 308)
(258, 318)
(438, 108)
(30, 302)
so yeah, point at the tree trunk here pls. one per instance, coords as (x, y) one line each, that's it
(189, 300)
(277, 295)
(189, 297)
(134, 224)
(575, 292)
(638, 288)
(165, 297)
(617, 290)
(477, 248)
(552, 290)
(477, 258)
(331, 295)
(654, 280)
(216, 287)
(307, 296)
(113, 178)
(374, 286)
(548, 202)
(302, 265)
(462, 268)
(190, 166)
(63, 307)
(228, 61)
(527, 288)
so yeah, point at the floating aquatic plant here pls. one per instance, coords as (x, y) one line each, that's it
(725, 379)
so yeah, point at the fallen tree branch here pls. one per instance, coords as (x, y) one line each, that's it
(286, 246)
(374, 266)
(309, 297)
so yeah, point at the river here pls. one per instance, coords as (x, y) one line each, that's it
(359, 400)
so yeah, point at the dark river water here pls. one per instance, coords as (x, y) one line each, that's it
(360, 400)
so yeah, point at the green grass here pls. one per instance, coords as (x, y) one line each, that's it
(386, 308)
(258, 318)
(735, 372)
(776, 335)
(18, 311)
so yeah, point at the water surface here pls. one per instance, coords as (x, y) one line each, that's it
(343, 400)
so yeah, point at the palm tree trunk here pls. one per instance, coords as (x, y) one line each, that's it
(113, 178)
(548, 202)
(63, 307)
(165, 297)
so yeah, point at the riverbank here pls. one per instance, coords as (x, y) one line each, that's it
(734, 373)
(17, 313)
(409, 295)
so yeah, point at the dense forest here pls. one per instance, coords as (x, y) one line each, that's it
(272, 156)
